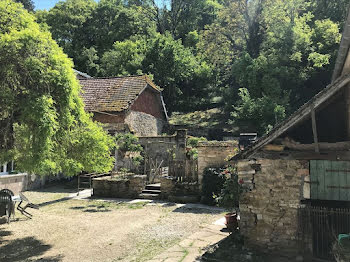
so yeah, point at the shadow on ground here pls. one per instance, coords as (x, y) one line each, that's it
(92, 208)
(24, 249)
(54, 201)
(60, 187)
(232, 248)
(198, 209)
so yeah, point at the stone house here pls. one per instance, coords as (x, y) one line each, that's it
(297, 177)
(125, 104)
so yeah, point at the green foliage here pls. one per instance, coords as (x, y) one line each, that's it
(261, 113)
(129, 143)
(182, 75)
(213, 181)
(202, 53)
(43, 123)
(192, 143)
(125, 58)
(27, 4)
(231, 191)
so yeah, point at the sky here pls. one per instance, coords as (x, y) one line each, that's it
(44, 4)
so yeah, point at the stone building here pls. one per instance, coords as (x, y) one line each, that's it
(125, 104)
(297, 177)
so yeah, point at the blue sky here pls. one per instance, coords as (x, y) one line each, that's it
(44, 4)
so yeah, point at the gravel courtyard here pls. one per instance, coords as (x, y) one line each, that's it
(65, 229)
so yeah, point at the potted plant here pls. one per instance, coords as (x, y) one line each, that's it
(229, 197)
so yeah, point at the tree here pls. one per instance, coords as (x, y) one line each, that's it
(276, 51)
(67, 21)
(125, 58)
(44, 127)
(112, 21)
(179, 17)
(27, 4)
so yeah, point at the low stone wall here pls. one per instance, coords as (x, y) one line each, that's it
(130, 187)
(274, 189)
(16, 183)
(214, 154)
(21, 182)
(184, 192)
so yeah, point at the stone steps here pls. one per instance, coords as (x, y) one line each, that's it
(151, 191)
(148, 196)
(153, 187)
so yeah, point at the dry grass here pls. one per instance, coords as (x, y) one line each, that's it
(79, 230)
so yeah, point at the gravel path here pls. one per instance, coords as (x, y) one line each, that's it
(65, 229)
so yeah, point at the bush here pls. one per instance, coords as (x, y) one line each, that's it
(230, 193)
(213, 182)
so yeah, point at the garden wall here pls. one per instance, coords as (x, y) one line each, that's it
(214, 154)
(173, 190)
(130, 187)
(21, 182)
(165, 147)
(274, 189)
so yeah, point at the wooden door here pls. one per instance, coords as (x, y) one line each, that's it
(330, 180)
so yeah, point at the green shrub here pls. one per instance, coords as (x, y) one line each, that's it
(230, 193)
(192, 143)
(213, 181)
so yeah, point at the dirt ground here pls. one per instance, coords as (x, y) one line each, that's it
(64, 229)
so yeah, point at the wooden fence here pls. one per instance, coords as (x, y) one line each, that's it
(184, 170)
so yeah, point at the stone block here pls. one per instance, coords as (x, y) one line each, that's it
(303, 172)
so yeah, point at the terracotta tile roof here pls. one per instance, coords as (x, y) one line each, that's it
(113, 94)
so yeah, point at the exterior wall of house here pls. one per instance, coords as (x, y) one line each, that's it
(149, 102)
(113, 122)
(269, 205)
(213, 154)
(142, 124)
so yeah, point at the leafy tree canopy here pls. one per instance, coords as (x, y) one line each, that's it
(242, 56)
(27, 4)
(43, 123)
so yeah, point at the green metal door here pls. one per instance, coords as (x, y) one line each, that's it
(330, 180)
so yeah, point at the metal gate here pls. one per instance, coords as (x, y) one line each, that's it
(321, 226)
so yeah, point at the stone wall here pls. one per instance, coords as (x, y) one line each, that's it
(274, 189)
(112, 122)
(21, 182)
(214, 154)
(142, 124)
(16, 183)
(185, 192)
(165, 147)
(130, 187)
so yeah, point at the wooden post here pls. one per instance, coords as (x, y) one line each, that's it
(314, 129)
(347, 110)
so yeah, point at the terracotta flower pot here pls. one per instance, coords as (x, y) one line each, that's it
(231, 221)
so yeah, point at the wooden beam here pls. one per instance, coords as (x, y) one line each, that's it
(304, 155)
(301, 114)
(314, 128)
(339, 146)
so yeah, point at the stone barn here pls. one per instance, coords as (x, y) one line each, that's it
(297, 177)
(125, 104)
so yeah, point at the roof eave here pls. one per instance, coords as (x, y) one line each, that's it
(298, 116)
